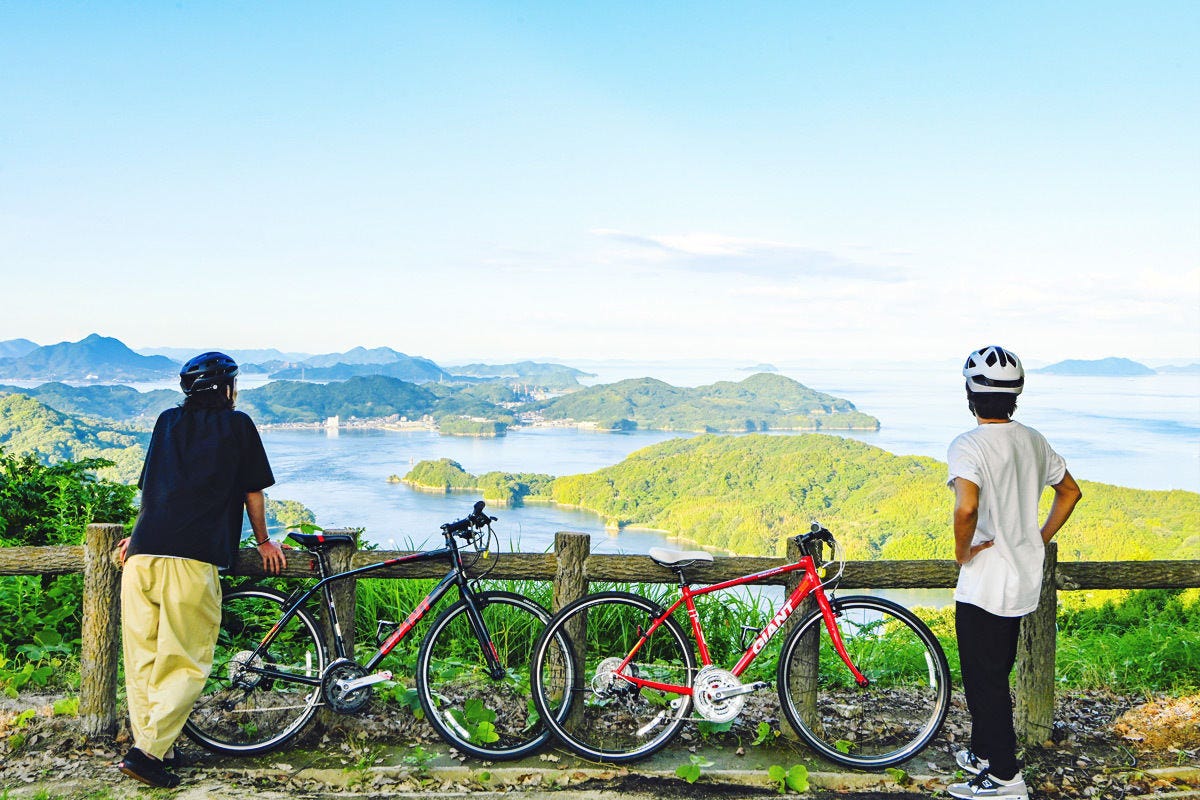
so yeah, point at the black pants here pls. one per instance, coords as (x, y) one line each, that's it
(987, 650)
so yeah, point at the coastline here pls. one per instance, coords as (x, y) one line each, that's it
(383, 423)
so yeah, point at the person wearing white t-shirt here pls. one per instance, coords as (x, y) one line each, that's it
(998, 471)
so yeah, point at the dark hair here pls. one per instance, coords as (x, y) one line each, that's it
(214, 399)
(992, 405)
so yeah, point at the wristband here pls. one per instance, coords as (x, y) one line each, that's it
(260, 544)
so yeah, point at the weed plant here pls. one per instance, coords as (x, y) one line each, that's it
(1147, 643)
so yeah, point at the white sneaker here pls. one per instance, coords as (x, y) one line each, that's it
(984, 785)
(969, 762)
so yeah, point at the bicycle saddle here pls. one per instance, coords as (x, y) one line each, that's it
(678, 559)
(320, 541)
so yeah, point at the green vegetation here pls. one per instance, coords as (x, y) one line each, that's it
(1147, 642)
(443, 475)
(286, 514)
(366, 397)
(468, 426)
(48, 505)
(759, 403)
(30, 427)
(119, 403)
(746, 494)
(500, 488)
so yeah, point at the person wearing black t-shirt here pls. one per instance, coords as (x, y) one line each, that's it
(204, 465)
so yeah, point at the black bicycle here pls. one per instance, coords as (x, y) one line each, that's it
(271, 670)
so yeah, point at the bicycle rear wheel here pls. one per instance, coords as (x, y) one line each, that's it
(242, 709)
(593, 710)
(884, 723)
(483, 716)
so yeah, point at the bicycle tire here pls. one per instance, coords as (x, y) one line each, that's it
(479, 715)
(592, 711)
(891, 719)
(240, 711)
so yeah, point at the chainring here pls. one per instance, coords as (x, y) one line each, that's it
(335, 694)
(708, 680)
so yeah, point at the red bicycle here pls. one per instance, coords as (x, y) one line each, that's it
(871, 693)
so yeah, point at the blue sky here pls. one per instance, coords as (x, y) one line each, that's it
(761, 181)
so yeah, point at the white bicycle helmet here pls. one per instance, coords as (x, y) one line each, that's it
(994, 369)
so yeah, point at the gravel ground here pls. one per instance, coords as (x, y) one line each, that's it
(1105, 746)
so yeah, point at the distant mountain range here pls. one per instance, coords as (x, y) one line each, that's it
(551, 376)
(361, 362)
(15, 348)
(106, 360)
(93, 358)
(1104, 367)
(257, 356)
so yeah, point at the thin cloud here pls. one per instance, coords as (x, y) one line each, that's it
(764, 259)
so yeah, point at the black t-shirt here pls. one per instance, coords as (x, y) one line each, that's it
(199, 467)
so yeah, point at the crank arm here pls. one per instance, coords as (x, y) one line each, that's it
(737, 691)
(364, 681)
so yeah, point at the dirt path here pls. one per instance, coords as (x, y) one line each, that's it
(1097, 753)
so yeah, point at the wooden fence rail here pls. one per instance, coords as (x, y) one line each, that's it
(571, 568)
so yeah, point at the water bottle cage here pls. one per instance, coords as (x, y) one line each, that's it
(753, 630)
(383, 629)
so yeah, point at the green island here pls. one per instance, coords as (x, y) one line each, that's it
(761, 402)
(746, 494)
(499, 488)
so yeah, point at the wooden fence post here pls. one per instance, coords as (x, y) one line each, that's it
(571, 551)
(808, 650)
(345, 592)
(101, 631)
(1036, 649)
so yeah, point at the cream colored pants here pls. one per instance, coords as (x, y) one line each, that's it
(170, 614)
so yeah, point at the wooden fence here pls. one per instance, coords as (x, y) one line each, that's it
(571, 567)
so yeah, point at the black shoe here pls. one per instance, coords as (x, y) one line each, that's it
(142, 767)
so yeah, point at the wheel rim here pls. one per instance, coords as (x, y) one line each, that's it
(888, 721)
(599, 714)
(240, 710)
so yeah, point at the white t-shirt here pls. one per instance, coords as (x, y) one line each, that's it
(1011, 464)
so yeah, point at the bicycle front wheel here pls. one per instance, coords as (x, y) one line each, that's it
(482, 715)
(252, 704)
(899, 711)
(594, 710)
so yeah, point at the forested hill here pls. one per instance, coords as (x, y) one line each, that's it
(747, 493)
(760, 402)
(121, 403)
(28, 426)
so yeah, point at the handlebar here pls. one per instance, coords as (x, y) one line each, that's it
(467, 526)
(817, 534)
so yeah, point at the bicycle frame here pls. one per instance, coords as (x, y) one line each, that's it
(809, 584)
(456, 576)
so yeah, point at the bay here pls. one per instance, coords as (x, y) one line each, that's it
(1137, 432)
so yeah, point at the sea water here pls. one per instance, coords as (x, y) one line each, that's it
(1138, 432)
